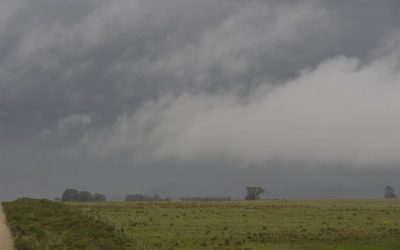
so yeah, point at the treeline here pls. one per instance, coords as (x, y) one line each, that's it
(252, 193)
(141, 197)
(74, 195)
(205, 199)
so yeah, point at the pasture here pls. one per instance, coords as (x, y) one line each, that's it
(317, 224)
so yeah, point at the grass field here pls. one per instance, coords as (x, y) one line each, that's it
(331, 224)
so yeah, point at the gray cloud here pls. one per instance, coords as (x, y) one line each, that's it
(340, 111)
(134, 88)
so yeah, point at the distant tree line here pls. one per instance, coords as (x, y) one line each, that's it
(205, 199)
(74, 195)
(252, 193)
(141, 197)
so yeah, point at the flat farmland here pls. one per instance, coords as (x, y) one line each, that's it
(314, 224)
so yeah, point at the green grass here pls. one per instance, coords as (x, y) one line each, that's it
(43, 224)
(330, 224)
(334, 224)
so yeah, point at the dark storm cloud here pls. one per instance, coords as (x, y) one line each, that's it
(152, 86)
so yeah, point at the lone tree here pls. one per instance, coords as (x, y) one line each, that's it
(253, 193)
(389, 192)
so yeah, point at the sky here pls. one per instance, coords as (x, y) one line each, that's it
(199, 97)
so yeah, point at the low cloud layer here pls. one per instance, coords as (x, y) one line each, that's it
(339, 111)
(150, 94)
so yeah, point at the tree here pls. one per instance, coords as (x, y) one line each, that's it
(253, 193)
(389, 192)
(85, 196)
(99, 197)
(70, 195)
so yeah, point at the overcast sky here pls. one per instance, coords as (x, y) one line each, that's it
(199, 97)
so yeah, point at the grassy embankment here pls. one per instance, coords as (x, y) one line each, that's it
(42, 224)
(341, 224)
